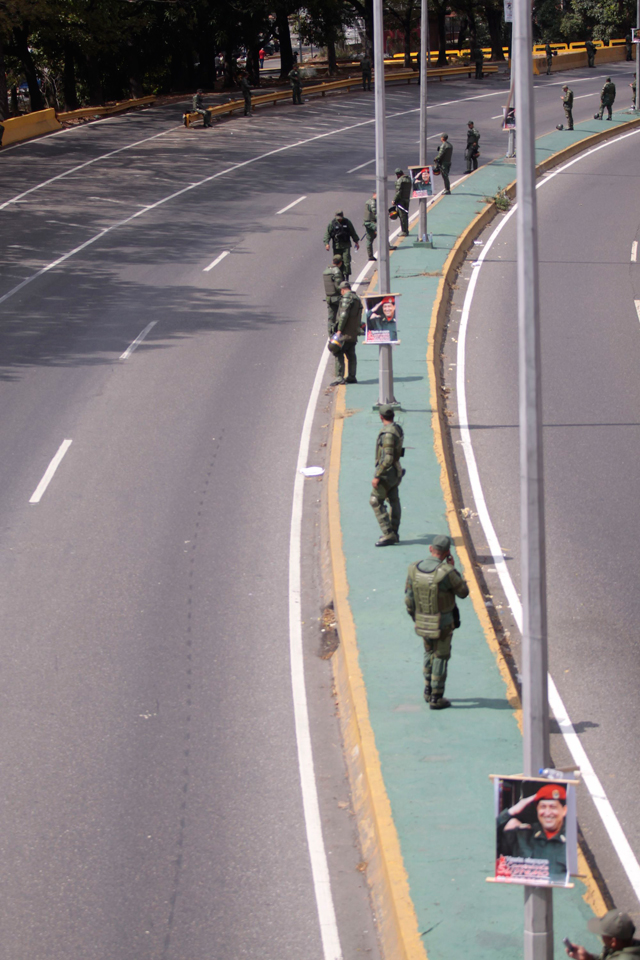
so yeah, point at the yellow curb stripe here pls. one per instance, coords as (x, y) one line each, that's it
(592, 895)
(386, 873)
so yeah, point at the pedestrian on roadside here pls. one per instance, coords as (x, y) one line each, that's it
(402, 198)
(567, 103)
(332, 278)
(430, 597)
(607, 98)
(245, 87)
(443, 161)
(616, 930)
(296, 84)
(365, 66)
(199, 107)
(478, 58)
(628, 42)
(261, 58)
(371, 223)
(349, 324)
(633, 92)
(387, 477)
(591, 53)
(549, 55)
(339, 233)
(472, 151)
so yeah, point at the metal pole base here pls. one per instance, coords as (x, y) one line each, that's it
(538, 923)
(426, 239)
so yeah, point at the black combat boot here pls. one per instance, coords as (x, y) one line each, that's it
(438, 702)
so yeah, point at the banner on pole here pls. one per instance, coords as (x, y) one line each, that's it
(508, 118)
(381, 319)
(508, 11)
(536, 831)
(421, 182)
(635, 35)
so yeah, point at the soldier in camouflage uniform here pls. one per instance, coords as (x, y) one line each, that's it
(443, 161)
(340, 232)
(199, 107)
(365, 65)
(591, 53)
(349, 323)
(296, 84)
(333, 277)
(401, 198)
(371, 224)
(567, 103)
(245, 87)
(387, 477)
(430, 597)
(473, 147)
(549, 55)
(607, 98)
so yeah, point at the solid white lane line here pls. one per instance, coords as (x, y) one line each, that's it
(499, 117)
(367, 164)
(51, 469)
(637, 303)
(295, 202)
(602, 803)
(584, 95)
(81, 166)
(138, 340)
(634, 251)
(214, 263)
(123, 202)
(317, 853)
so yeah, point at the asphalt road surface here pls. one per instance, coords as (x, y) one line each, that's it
(590, 305)
(151, 803)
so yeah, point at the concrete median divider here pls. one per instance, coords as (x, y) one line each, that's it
(30, 125)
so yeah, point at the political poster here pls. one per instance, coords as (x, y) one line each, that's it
(381, 319)
(508, 118)
(635, 34)
(536, 831)
(508, 11)
(421, 182)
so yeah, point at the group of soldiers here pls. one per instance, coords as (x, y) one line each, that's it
(198, 104)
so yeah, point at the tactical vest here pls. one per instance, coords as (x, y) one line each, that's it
(340, 233)
(430, 602)
(398, 450)
(370, 211)
(351, 304)
(329, 277)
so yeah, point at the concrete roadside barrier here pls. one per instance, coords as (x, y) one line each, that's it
(30, 125)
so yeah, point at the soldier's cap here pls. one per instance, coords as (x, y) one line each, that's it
(615, 923)
(386, 410)
(565, 87)
(441, 542)
(399, 170)
(444, 136)
(345, 283)
(339, 213)
(337, 258)
(470, 123)
(608, 80)
(552, 791)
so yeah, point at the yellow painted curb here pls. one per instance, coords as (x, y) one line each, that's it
(386, 874)
(593, 895)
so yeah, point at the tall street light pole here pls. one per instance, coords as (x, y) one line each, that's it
(385, 363)
(538, 903)
(422, 73)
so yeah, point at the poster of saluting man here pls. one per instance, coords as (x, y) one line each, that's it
(421, 182)
(381, 320)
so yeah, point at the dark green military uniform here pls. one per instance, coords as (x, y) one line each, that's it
(591, 53)
(629, 46)
(366, 73)
(633, 91)
(549, 55)
(371, 224)
(389, 473)
(199, 107)
(245, 87)
(473, 147)
(607, 98)
(340, 232)
(478, 58)
(402, 198)
(533, 842)
(443, 159)
(332, 278)
(349, 324)
(430, 597)
(296, 85)
(632, 950)
(567, 105)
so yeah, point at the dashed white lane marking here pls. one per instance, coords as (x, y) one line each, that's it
(498, 117)
(637, 303)
(295, 203)
(583, 95)
(214, 263)
(602, 803)
(130, 203)
(138, 340)
(365, 164)
(51, 469)
(634, 251)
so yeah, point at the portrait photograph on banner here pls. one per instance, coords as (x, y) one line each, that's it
(536, 831)
(508, 118)
(381, 318)
(421, 182)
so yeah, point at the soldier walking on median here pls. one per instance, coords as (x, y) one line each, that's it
(349, 323)
(591, 53)
(365, 66)
(199, 107)
(387, 477)
(245, 87)
(401, 199)
(340, 232)
(567, 103)
(443, 161)
(296, 84)
(430, 597)
(371, 223)
(607, 98)
(332, 278)
(472, 151)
